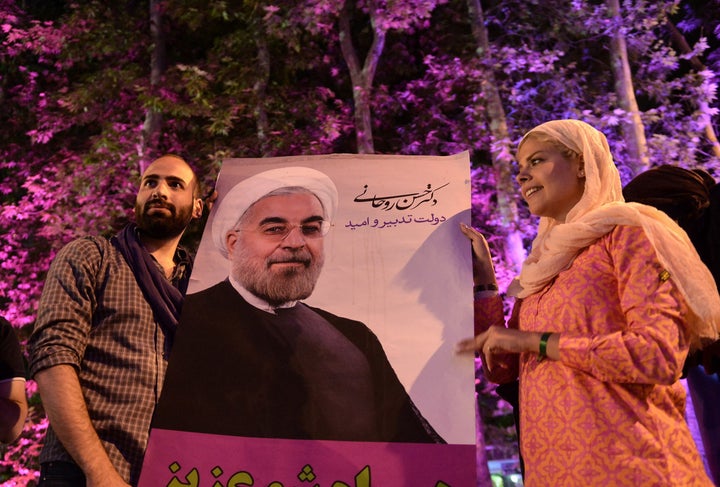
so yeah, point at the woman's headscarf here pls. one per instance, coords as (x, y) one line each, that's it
(599, 210)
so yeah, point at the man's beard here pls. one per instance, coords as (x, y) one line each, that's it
(160, 225)
(277, 287)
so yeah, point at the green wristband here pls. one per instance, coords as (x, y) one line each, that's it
(485, 287)
(542, 353)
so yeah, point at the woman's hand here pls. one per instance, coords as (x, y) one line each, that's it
(500, 340)
(483, 271)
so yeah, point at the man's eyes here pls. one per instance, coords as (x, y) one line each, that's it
(311, 229)
(306, 229)
(153, 183)
(274, 230)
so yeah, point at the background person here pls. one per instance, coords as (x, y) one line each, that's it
(13, 400)
(612, 298)
(692, 198)
(253, 360)
(105, 325)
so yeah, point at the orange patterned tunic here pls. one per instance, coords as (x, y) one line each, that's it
(610, 412)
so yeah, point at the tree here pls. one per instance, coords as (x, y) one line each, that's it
(634, 129)
(500, 145)
(153, 117)
(251, 78)
(384, 15)
(681, 44)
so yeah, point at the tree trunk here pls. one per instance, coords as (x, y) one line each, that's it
(502, 159)
(361, 78)
(634, 130)
(500, 149)
(260, 89)
(153, 119)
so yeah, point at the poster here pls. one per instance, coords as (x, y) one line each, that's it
(396, 263)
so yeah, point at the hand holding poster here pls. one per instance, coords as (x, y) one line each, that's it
(315, 344)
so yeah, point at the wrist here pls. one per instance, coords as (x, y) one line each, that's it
(542, 347)
(485, 287)
(481, 291)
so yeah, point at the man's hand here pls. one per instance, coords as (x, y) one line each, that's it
(65, 406)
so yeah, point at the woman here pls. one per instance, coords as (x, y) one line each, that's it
(611, 299)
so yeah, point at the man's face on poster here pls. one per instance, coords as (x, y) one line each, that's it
(276, 249)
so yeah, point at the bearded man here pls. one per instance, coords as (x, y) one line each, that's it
(105, 324)
(252, 360)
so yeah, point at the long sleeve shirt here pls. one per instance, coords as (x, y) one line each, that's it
(92, 315)
(611, 410)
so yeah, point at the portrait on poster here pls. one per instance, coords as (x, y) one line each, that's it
(326, 298)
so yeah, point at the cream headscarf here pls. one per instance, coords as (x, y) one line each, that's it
(599, 210)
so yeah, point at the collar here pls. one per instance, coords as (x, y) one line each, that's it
(255, 301)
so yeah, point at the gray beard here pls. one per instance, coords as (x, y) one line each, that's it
(280, 287)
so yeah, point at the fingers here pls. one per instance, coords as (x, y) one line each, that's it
(488, 361)
(488, 344)
(468, 345)
(470, 232)
(211, 198)
(477, 344)
(480, 247)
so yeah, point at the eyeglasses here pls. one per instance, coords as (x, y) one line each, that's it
(278, 232)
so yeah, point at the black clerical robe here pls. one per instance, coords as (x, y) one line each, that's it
(232, 373)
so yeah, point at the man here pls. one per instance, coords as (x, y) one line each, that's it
(105, 325)
(252, 360)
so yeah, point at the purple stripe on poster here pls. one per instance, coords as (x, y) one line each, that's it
(177, 459)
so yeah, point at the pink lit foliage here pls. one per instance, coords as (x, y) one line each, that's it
(268, 78)
(56, 183)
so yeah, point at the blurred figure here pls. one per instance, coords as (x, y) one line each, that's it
(692, 198)
(13, 400)
(611, 299)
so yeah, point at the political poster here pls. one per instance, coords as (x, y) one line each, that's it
(315, 345)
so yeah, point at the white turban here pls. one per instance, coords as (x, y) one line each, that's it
(248, 191)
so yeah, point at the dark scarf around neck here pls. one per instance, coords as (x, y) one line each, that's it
(164, 298)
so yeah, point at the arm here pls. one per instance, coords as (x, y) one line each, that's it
(13, 401)
(489, 315)
(65, 407)
(57, 346)
(13, 409)
(648, 344)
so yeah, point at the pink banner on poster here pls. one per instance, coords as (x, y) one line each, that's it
(228, 461)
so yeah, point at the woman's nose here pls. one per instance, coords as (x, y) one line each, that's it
(522, 176)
